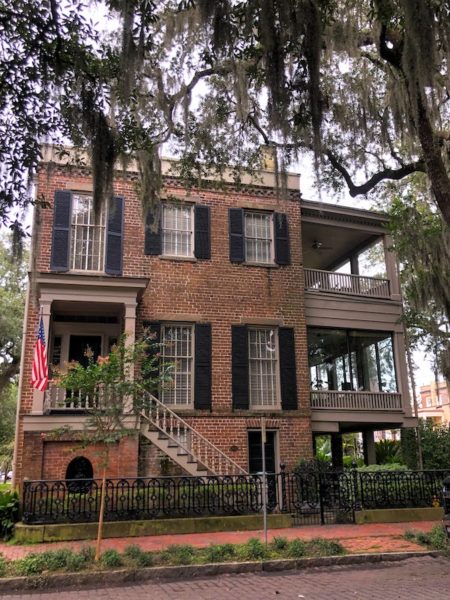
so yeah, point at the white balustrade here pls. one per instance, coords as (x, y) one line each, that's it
(355, 400)
(344, 283)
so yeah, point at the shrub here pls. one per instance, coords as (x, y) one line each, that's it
(219, 552)
(322, 547)
(75, 562)
(9, 512)
(296, 549)
(87, 553)
(279, 543)
(388, 467)
(33, 564)
(56, 559)
(111, 558)
(438, 538)
(422, 538)
(2, 566)
(138, 556)
(254, 549)
(178, 554)
(410, 535)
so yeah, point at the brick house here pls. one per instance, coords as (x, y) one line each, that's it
(260, 298)
(434, 403)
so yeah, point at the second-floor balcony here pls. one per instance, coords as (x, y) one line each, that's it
(348, 284)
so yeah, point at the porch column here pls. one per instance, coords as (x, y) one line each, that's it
(392, 271)
(369, 448)
(354, 264)
(129, 329)
(401, 371)
(337, 451)
(45, 310)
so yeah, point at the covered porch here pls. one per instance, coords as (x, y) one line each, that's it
(83, 316)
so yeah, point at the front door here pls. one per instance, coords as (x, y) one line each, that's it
(78, 345)
(256, 463)
(255, 452)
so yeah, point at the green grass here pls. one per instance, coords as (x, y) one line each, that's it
(436, 539)
(69, 561)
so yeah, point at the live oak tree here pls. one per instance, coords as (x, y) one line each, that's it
(362, 84)
(423, 247)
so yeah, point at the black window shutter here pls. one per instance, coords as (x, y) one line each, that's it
(154, 331)
(288, 375)
(114, 237)
(236, 224)
(239, 366)
(202, 376)
(152, 246)
(62, 214)
(202, 248)
(282, 250)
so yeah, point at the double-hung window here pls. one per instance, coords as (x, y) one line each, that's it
(258, 231)
(177, 349)
(177, 229)
(263, 368)
(87, 235)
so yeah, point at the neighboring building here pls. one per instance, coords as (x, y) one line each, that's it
(249, 288)
(434, 403)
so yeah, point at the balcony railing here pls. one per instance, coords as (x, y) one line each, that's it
(58, 398)
(343, 283)
(350, 400)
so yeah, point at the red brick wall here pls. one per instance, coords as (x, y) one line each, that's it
(48, 459)
(214, 291)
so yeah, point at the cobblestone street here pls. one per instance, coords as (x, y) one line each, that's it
(413, 579)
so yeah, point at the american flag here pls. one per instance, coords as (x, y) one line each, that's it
(39, 375)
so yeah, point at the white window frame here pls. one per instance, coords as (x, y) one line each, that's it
(277, 389)
(270, 216)
(75, 230)
(169, 359)
(178, 205)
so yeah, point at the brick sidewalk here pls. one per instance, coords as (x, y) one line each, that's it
(382, 537)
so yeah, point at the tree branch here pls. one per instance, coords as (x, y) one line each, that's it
(364, 188)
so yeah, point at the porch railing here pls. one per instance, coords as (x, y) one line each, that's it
(343, 283)
(312, 496)
(355, 400)
(58, 398)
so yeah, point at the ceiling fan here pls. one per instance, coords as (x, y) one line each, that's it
(316, 245)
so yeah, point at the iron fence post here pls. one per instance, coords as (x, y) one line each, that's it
(283, 488)
(357, 502)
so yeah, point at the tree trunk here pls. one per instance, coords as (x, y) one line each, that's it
(432, 154)
(100, 518)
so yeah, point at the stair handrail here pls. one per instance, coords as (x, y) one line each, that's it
(194, 432)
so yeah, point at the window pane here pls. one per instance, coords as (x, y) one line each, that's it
(262, 345)
(177, 350)
(177, 230)
(87, 236)
(258, 237)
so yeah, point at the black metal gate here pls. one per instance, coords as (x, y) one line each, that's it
(320, 498)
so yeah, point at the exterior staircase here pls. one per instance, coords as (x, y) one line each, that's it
(182, 443)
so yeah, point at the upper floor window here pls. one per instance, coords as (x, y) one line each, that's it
(87, 235)
(258, 234)
(177, 229)
(177, 349)
(263, 367)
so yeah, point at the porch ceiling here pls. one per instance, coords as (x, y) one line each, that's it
(61, 307)
(338, 243)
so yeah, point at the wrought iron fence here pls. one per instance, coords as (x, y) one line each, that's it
(313, 497)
